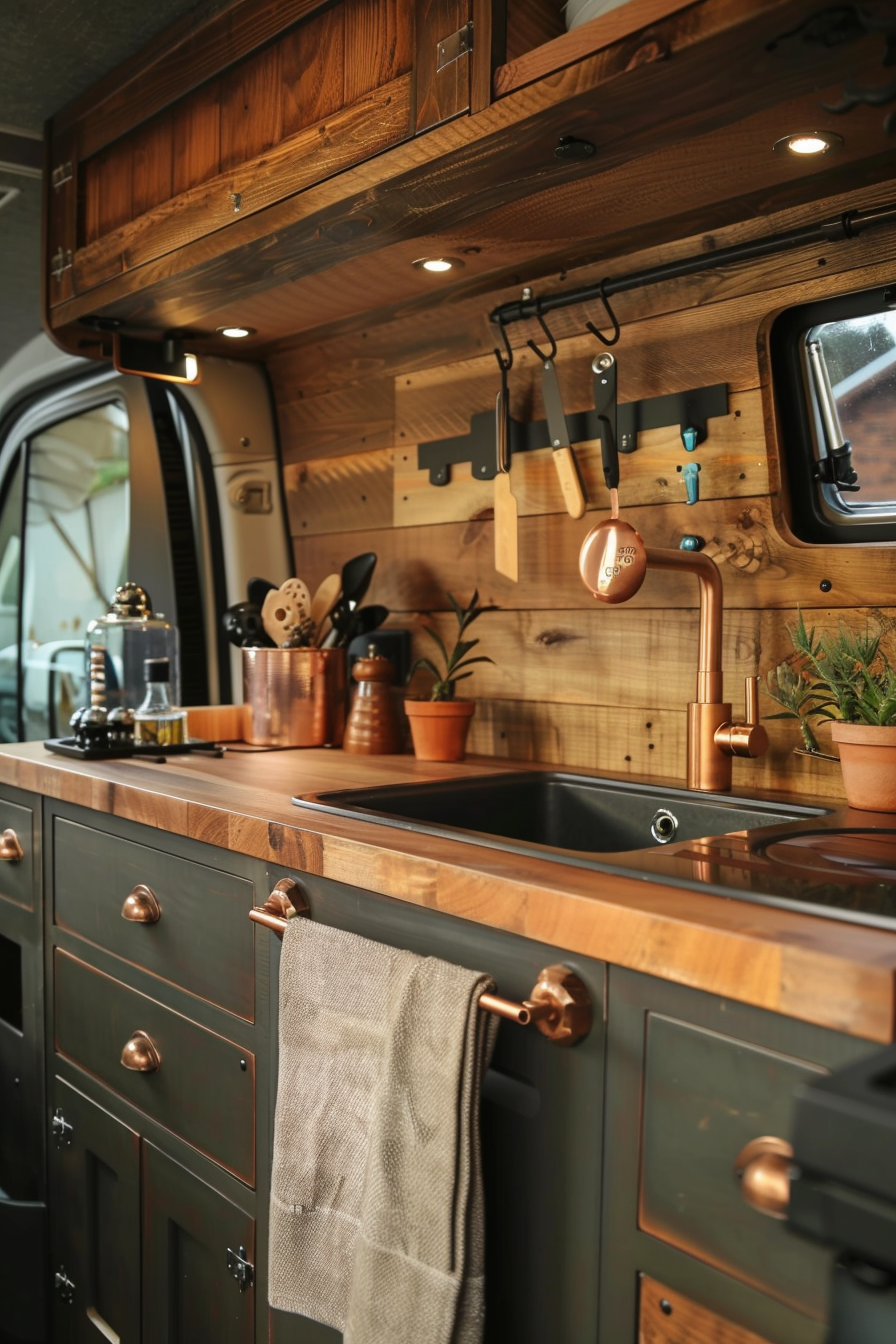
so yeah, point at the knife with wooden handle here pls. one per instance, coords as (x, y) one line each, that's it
(564, 457)
(506, 521)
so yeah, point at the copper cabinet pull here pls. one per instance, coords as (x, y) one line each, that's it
(140, 1055)
(763, 1168)
(285, 901)
(10, 849)
(142, 906)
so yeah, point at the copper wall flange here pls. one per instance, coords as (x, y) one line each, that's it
(560, 1005)
(763, 1168)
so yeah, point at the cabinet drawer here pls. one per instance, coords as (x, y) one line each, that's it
(706, 1096)
(202, 939)
(204, 1086)
(16, 874)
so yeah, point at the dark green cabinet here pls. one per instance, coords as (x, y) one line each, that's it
(155, 1026)
(542, 1117)
(691, 1080)
(22, 1148)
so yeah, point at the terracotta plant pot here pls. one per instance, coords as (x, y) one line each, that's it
(439, 728)
(868, 763)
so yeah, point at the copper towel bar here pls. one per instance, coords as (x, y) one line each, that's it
(559, 1005)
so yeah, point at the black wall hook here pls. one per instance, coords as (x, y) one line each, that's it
(505, 365)
(532, 346)
(604, 339)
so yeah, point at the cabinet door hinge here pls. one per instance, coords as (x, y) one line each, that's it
(61, 174)
(61, 1130)
(63, 1285)
(60, 261)
(240, 1268)
(452, 48)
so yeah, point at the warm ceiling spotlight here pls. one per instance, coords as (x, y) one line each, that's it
(437, 264)
(235, 333)
(806, 144)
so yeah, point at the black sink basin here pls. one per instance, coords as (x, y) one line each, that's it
(555, 814)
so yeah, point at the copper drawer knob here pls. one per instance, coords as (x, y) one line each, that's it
(142, 906)
(763, 1169)
(10, 849)
(140, 1055)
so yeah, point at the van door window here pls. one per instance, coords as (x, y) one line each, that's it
(76, 527)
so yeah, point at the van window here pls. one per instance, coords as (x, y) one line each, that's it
(76, 521)
(834, 370)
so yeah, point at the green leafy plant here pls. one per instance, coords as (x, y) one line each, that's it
(844, 676)
(456, 661)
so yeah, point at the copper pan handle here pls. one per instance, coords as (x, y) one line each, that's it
(10, 849)
(763, 1168)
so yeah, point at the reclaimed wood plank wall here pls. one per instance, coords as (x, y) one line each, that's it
(576, 682)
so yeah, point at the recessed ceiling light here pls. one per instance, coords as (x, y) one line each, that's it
(437, 264)
(235, 333)
(806, 144)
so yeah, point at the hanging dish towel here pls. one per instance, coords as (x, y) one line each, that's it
(376, 1219)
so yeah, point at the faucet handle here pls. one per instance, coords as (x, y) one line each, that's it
(748, 738)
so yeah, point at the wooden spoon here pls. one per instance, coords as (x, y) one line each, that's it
(324, 600)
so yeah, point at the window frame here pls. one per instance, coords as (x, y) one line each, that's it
(812, 517)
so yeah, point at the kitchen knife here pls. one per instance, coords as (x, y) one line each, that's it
(506, 521)
(564, 458)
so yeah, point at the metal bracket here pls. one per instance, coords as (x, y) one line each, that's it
(63, 1285)
(61, 1130)
(450, 49)
(688, 410)
(61, 174)
(239, 1267)
(59, 262)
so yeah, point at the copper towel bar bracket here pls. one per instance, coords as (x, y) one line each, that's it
(559, 1005)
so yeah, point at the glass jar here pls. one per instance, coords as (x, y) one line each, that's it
(118, 645)
(157, 722)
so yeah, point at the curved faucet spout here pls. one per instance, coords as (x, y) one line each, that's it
(709, 650)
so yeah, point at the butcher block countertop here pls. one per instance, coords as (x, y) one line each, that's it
(833, 973)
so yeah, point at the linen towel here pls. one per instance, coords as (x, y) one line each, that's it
(376, 1213)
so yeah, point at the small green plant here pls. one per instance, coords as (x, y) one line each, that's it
(456, 662)
(844, 676)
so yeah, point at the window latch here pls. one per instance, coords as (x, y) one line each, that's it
(837, 469)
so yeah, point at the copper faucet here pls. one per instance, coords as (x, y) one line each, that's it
(613, 562)
(713, 739)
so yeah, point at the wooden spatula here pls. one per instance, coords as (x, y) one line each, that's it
(322, 603)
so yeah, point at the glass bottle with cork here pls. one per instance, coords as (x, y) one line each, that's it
(157, 722)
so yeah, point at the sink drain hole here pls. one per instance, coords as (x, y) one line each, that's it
(664, 826)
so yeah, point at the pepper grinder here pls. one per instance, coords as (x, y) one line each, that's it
(373, 728)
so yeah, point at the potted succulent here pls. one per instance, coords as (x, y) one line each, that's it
(847, 680)
(439, 725)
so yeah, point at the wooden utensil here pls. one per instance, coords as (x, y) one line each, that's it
(285, 609)
(324, 600)
(506, 519)
(564, 458)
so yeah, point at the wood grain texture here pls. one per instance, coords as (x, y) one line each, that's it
(668, 1317)
(161, 224)
(178, 61)
(441, 93)
(497, 156)
(823, 971)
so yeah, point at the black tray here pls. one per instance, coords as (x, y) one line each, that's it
(70, 746)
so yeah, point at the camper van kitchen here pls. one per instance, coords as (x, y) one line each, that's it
(508, 364)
